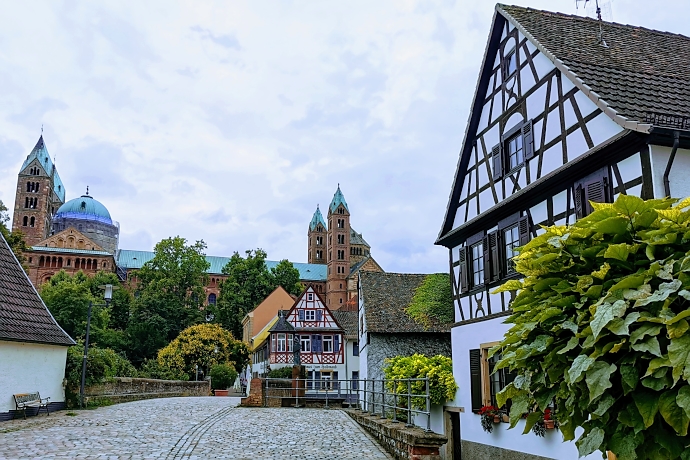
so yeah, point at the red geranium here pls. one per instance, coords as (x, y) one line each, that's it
(488, 410)
(547, 414)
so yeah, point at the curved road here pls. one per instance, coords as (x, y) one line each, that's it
(188, 428)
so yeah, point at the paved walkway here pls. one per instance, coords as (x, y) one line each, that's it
(189, 428)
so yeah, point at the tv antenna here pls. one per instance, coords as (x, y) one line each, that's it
(601, 10)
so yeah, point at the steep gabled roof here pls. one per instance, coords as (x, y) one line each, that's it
(386, 296)
(23, 315)
(40, 153)
(282, 325)
(317, 219)
(357, 238)
(639, 71)
(338, 199)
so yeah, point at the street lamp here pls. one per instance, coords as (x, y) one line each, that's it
(108, 297)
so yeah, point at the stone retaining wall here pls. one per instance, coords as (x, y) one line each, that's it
(122, 389)
(404, 443)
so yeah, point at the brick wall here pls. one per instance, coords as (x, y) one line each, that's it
(122, 389)
(256, 394)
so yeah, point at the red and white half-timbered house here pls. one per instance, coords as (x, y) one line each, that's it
(324, 346)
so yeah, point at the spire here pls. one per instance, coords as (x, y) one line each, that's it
(338, 199)
(317, 219)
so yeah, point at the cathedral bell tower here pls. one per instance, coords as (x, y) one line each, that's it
(39, 193)
(338, 251)
(317, 239)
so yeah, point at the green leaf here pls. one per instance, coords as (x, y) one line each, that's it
(665, 289)
(618, 251)
(677, 329)
(569, 325)
(572, 343)
(629, 377)
(673, 414)
(650, 345)
(631, 205)
(684, 294)
(685, 264)
(604, 405)
(544, 398)
(630, 416)
(599, 378)
(683, 399)
(656, 364)
(645, 329)
(510, 285)
(605, 313)
(532, 418)
(590, 442)
(508, 392)
(679, 355)
(629, 282)
(580, 365)
(620, 326)
(624, 445)
(649, 252)
(612, 226)
(679, 316)
(520, 406)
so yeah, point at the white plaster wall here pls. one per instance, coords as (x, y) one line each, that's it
(351, 361)
(470, 336)
(436, 423)
(28, 367)
(680, 171)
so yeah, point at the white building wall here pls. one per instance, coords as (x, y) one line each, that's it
(29, 367)
(470, 336)
(680, 171)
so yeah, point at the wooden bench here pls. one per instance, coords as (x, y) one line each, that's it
(24, 400)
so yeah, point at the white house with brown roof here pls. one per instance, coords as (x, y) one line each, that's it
(567, 110)
(33, 347)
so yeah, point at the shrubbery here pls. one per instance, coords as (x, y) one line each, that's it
(280, 373)
(600, 328)
(438, 368)
(222, 376)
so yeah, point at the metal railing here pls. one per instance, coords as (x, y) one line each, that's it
(395, 399)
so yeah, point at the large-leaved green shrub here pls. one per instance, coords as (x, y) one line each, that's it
(600, 329)
(438, 368)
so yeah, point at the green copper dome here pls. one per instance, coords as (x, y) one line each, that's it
(84, 207)
(317, 219)
(338, 199)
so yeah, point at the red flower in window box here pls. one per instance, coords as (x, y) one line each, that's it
(489, 415)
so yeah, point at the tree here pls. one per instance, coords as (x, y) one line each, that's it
(169, 295)
(14, 239)
(68, 297)
(600, 330)
(203, 346)
(248, 283)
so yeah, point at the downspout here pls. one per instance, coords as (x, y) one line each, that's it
(676, 141)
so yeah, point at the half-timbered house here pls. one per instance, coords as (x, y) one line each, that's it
(310, 331)
(567, 110)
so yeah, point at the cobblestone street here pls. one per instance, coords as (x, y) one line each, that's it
(190, 428)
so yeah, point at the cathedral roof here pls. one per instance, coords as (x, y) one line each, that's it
(357, 238)
(40, 153)
(86, 208)
(338, 199)
(317, 219)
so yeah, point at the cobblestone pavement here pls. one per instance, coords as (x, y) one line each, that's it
(188, 428)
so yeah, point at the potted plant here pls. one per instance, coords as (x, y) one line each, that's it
(222, 377)
(489, 416)
(547, 421)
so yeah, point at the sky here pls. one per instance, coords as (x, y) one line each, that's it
(230, 121)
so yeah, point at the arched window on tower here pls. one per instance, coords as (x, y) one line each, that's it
(33, 221)
(211, 299)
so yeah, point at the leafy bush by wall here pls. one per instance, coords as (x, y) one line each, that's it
(438, 368)
(600, 328)
(222, 376)
(432, 301)
(280, 373)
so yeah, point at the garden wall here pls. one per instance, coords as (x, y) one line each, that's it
(123, 389)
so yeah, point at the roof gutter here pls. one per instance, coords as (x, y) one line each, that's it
(676, 142)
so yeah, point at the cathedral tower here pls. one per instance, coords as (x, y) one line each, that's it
(338, 251)
(317, 239)
(39, 193)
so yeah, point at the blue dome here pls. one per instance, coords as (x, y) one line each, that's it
(86, 208)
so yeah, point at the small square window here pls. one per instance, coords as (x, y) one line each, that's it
(310, 296)
(515, 153)
(310, 315)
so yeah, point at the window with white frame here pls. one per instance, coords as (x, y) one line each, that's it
(328, 344)
(305, 343)
(281, 343)
(511, 239)
(310, 315)
(477, 263)
(289, 343)
(310, 296)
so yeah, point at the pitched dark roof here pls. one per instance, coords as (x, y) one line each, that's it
(639, 71)
(23, 315)
(347, 319)
(282, 325)
(386, 296)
